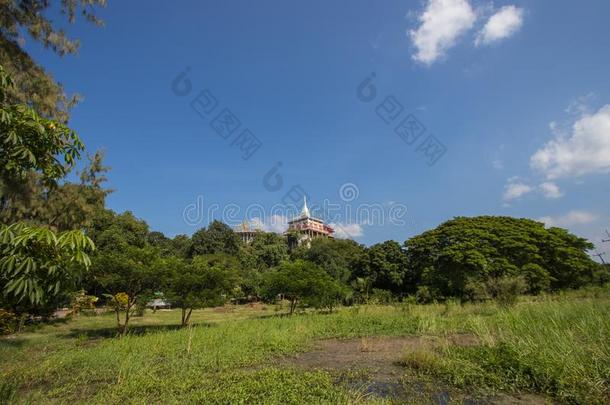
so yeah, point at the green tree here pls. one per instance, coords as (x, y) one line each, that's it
(216, 238)
(115, 232)
(204, 282)
(459, 252)
(387, 268)
(31, 143)
(269, 249)
(341, 258)
(133, 272)
(160, 241)
(37, 265)
(302, 282)
(34, 86)
(266, 251)
(62, 207)
(181, 246)
(124, 263)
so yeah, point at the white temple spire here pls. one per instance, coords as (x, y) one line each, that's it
(305, 212)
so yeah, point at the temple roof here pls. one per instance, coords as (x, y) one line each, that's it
(305, 214)
(305, 211)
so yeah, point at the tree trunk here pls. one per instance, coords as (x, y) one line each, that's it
(182, 322)
(117, 310)
(293, 305)
(188, 317)
(127, 310)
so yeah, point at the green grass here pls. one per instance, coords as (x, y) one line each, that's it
(558, 346)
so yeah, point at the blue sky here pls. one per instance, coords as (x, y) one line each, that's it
(515, 91)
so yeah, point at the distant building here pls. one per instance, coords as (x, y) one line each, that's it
(159, 303)
(246, 233)
(304, 228)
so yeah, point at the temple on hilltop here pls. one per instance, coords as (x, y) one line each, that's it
(246, 233)
(304, 228)
(301, 230)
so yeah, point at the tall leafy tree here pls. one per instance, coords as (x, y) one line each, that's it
(463, 251)
(303, 283)
(129, 276)
(340, 258)
(125, 265)
(31, 143)
(216, 238)
(387, 268)
(269, 249)
(34, 86)
(204, 282)
(64, 206)
(35, 263)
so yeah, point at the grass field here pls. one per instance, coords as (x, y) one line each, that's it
(552, 348)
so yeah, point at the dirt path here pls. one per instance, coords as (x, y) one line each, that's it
(372, 366)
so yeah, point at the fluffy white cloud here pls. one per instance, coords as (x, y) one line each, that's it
(501, 25)
(571, 218)
(550, 190)
(347, 231)
(275, 223)
(441, 23)
(515, 189)
(585, 150)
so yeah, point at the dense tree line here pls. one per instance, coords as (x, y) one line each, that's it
(465, 258)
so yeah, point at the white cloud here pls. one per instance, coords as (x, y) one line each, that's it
(347, 231)
(497, 164)
(515, 189)
(585, 151)
(441, 24)
(501, 25)
(275, 223)
(571, 218)
(580, 106)
(550, 190)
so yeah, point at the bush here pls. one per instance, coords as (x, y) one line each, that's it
(81, 301)
(476, 290)
(8, 322)
(379, 296)
(140, 308)
(426, 295)
(537, 278)
(506, 290)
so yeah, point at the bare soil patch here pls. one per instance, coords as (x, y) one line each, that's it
(372, 366)
(370, 352)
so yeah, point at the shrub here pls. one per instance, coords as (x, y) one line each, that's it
(506, 290)
(426, 295)
(379, 296)
(476, 290)
(536, 277)
(82, 301)
(8, 322)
